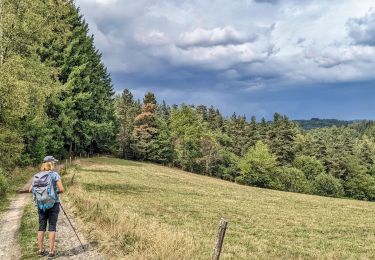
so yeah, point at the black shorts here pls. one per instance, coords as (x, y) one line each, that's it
(49, 215)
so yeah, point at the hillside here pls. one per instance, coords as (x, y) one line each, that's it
(146, 211)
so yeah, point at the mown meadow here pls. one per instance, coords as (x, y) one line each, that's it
(136, 210)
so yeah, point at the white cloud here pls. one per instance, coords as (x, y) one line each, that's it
(217, 36)
(217, 57)
(152, 38)
(106, 2)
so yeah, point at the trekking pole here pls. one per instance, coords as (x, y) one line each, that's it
(71, 225)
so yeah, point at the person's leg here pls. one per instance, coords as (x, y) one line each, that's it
(42, 228)
(52, 237)
(41, 240)
(52, 222)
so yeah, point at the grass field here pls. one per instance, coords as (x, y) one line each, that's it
(146, 211)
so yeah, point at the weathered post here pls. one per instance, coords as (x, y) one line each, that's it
(70, 160)
(72, 179)
(220, 239)
(66, 165)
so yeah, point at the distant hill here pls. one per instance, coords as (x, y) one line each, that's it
(320, 123)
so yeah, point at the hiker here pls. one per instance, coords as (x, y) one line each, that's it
(45, 188)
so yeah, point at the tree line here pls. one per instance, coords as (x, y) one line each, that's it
(335, 161)
(57, 98)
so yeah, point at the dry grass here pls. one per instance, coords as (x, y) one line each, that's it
(146, 211)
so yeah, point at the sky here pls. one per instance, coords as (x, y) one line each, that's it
(301, 58)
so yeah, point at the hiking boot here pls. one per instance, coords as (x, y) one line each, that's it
(42, 253)
(51, 255)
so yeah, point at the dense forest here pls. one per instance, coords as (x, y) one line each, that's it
(57, 98)
(320, 123)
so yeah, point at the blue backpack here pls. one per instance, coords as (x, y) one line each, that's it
(44, 194)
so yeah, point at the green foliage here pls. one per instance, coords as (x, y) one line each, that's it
(11, 146)
(361, 186)
(294, 180)
(258, 167)
(162, 149)
(56, 94)
(149, 98)
(228, 169)
(186, 133)
(126, 111)
(3, 183)
(82, 117)
(320, 123)
(309, 165)
(25, 82)
(327, 185)
(281, 138)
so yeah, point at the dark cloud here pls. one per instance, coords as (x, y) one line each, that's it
(362, 30)
(241, 55)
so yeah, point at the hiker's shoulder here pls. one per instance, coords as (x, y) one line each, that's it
(55, 175)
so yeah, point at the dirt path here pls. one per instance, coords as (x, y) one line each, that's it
(68, 247)
(9, 227)
(10, 223)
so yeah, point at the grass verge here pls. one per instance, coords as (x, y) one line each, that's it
(18, 178)
(28, 231)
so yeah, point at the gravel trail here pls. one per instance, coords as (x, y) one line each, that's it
(67, 244)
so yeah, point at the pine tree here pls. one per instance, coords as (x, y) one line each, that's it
(281, 139)
(149, 98)
(145, 128)
(83, 114)
(126, 109)
(252, 133)
(161, 146)
(202, 111)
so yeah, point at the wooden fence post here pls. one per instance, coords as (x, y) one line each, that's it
(220, 239)
(70, 160)
(66, 165)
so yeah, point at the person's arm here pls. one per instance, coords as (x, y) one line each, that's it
(31, 188)
(60, 186)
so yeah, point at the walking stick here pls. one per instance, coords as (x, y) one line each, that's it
(71, 225)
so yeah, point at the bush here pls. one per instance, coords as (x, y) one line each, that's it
(3, 183)
(309, 165)
(294, 180)
(327, 185)
(258, 167)
(228, 167)
(361, 186)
